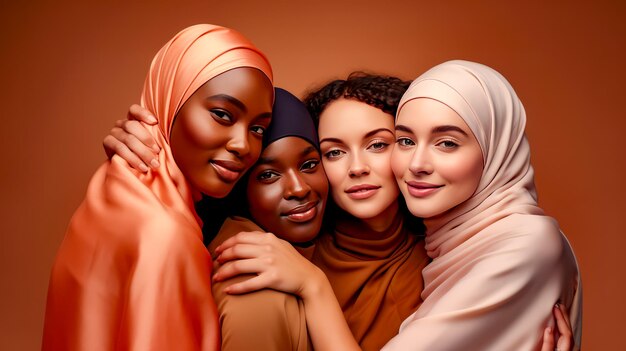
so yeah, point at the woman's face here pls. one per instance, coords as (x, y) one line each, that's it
(217, 133)
(356, 140)
(287, 190)
(437, 160)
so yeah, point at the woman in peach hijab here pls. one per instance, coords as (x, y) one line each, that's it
(132, 271)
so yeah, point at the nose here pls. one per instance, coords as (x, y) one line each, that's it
(421, 162)
(238, 143)
(358, 167)
(295, 187)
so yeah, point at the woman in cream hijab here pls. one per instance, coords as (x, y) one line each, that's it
(132, 271)
(462, 162)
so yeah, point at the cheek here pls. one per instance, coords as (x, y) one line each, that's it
(263, 199)
(465, 171)
(319, 184)
(255, 145)
(335, 171)
(399, 162)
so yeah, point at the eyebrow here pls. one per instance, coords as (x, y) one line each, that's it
(270, 160)
(369, 134)
(435, 130)
(448, 128)
(230, 99)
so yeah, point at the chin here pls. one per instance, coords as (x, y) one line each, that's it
(301, 235)
(219, 191)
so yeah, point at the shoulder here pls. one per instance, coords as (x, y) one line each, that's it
(264, 306)
(530, 241)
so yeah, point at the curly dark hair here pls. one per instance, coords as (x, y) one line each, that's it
(382, 92)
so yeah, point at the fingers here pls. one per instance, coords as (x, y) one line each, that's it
(131, 144)
(548, 340)
(253, 238)
(235, 268)
(113, 146)
(564, 342)
(242, 251)
(139, 113)
(139, 131)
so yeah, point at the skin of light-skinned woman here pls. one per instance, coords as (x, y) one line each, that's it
(337, 147)
(132, 271)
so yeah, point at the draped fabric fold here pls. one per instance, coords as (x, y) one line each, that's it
(376, 276)
(132, 271)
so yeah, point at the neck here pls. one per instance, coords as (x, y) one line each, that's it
(383, 220)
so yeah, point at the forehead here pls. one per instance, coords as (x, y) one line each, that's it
(287, 149)
(425, 113)
(247, 84)
(347, 118)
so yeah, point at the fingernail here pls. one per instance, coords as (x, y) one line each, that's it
(143, 167)
(152, 119)
(154, 163)
(156, 148)
(557, 305)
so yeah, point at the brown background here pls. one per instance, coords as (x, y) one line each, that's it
(69, 70)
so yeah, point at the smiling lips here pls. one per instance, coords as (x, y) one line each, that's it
(362, 191)
(228, 171)
(302, 213)
(421, 189)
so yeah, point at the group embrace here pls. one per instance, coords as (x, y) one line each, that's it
(375, 214)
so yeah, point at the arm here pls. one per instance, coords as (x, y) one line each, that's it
(279, 266)
(132, 141)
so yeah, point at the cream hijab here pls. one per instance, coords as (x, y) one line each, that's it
(499, 264)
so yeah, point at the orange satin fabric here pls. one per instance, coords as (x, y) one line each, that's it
(377, 282)
(263, 320)
(132, 271)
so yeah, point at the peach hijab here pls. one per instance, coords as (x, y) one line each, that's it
(499, 264)
(132, 271)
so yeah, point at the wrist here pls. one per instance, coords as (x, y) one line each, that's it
(315, 285)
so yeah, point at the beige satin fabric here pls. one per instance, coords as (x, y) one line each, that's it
(376, 281)
(263, 320)
(499, 263)
(132, 271)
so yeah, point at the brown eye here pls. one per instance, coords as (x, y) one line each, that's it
(259, 130)
(309, 165)
(448, 144)
(267, 176)
(221, 115)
